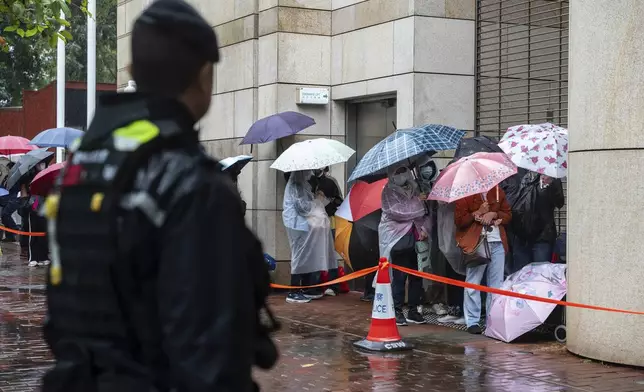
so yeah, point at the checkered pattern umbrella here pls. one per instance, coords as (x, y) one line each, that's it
(406, 144)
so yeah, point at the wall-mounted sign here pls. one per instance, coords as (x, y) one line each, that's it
(312, 96)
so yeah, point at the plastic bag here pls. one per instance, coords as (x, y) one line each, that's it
(447, 237)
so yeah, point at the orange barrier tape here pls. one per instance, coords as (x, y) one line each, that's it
(346, 278)
(454, 282)
(459, 283)
(27, 233)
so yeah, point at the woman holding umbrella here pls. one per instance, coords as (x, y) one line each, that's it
(481, 213)
(404, 221)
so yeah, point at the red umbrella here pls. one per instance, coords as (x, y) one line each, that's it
(362, 200)
(44, 180)
(15, 145)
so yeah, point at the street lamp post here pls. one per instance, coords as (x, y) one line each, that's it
(60, 87)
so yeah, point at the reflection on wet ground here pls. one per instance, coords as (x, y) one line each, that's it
(318, 355)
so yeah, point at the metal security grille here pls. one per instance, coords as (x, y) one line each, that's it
(522, 66)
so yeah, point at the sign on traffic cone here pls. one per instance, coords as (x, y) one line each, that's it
(383, 334)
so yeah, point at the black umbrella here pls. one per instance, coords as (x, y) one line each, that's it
(25, 165)
(363, 244)
(469, 146)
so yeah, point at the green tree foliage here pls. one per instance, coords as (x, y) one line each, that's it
(37, 19)
(30, 62)
(105, 43)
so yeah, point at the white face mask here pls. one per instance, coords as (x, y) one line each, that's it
(41, 166)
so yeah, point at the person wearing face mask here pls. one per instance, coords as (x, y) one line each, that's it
(309, 234)
(404, 221)
(427, 174)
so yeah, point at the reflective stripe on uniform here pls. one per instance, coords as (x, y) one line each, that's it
(147, 204)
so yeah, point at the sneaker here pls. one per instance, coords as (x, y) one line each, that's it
(459, 321)
(439, 309)
(44, 263)
(448, 319)
(33, 263)
(413, 317)
(367, 298)
(330, 292)
(296, 298)
(474, 329)
(313, 295)
(400, 319)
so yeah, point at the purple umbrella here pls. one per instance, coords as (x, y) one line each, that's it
(276, 127)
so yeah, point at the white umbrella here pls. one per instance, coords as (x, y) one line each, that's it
(312, 154)
(541, 148)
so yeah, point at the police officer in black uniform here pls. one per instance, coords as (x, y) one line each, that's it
(156, 283)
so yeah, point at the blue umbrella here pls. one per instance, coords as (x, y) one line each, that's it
(276, 127)
(406, 144)
(56, 137)
(3, 192)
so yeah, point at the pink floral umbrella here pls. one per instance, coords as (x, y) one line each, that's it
(541, 148)
(508, 317)
(471, 175)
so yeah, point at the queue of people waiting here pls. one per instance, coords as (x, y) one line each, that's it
(408, 218)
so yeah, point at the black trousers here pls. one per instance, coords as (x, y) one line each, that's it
(404, 255)
(38, 246)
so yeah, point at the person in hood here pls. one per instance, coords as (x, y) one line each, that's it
(404, 221)
(156, 283)
(309, 235)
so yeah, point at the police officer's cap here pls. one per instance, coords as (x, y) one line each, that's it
(179, 19)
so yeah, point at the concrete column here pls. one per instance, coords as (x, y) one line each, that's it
(605, 188)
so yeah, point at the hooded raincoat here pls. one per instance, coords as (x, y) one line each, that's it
(401, 210)
(307, 226)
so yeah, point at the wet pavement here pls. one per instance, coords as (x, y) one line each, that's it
(317, 352)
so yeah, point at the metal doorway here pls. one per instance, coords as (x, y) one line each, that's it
(368, 122)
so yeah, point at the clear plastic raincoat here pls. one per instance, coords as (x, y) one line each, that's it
(307, 226)
(401, 210)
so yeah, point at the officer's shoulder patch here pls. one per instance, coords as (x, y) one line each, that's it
(131, 136)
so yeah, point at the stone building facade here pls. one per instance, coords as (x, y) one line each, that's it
(386, 63)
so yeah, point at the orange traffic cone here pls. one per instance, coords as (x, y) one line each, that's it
(383, 334)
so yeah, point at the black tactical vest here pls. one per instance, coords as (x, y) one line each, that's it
(90, 308)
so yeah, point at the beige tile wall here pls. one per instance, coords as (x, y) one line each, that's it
(421, 50)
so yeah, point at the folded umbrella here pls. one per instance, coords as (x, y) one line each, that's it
(276, 127)
(56, 137)
(472, 175)
(510, 317)
(541, 148)
(15, 145)
(43, 182)
(312, 154)
(25, 164)
(405, 145)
